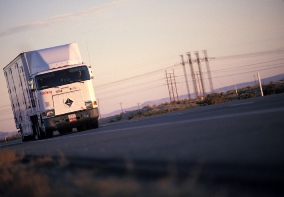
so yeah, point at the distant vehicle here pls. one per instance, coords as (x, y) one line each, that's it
(51, 89)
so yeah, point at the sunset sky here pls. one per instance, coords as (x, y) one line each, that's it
(130, 43)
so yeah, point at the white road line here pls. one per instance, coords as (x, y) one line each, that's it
(237, 104)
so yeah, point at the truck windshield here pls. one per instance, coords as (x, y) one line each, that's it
(62, 77)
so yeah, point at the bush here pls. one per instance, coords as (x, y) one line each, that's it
(10, 138)
(249, 95)
(270, 89)
(119, 117)
(280, 89)
(215, 98)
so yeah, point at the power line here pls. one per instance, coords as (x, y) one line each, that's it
(249, 71)
(120, 89)
(134, 77)
(133, 92)
(232, 68)
(236, 69)
(271, 52)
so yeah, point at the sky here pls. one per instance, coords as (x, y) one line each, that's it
(130, 43)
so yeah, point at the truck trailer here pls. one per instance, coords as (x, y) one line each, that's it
(51, 90)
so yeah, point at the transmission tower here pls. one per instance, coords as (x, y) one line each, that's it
(172, 86)
(185, 76)
(175, 84)
(168, 86)
(208, 71)
(200, 73)
(192, 74)
(198, 82)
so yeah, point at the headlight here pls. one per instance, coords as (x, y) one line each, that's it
(49, 113)
(89, 104)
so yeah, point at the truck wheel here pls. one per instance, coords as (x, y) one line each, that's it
(65, 131)
(40, 134)
(24, 138)
(81, 128)
(61, 131)
(69, 130)
(32, 137)
(49, 134)
(96, 125)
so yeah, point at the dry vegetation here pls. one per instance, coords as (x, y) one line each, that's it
(47, 176)
(10, 138)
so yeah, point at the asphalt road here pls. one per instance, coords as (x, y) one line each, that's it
(241, 140)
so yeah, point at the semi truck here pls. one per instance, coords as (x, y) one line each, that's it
(51, 90)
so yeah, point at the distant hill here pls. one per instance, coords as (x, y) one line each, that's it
(223, 89)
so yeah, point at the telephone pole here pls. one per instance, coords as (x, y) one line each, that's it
(121, 107)
(192, 74)
(198, 81)
(200, 73)
(175, 84)
(260, 86)
(208, 71)
(172, 86)
(185, 76)
(168, 86)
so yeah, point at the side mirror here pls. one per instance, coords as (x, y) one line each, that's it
(32, 85)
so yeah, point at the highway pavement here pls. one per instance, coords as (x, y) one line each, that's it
(240, 141)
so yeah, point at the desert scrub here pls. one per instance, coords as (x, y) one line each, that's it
(249, 95)
(215, 98)
(16, 179)
(270, 89)
(12, 137)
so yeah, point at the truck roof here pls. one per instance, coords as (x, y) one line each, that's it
(53, 57)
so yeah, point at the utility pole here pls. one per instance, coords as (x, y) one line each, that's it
(175, 84)
(237, 92)
(185, 76)
(121, 107)
(254, 79)
(208, 71)
(200, 73)
(198, 81)
(172, 86)
(138, 105)
(192, 74)
(168, 86)
(260, 86)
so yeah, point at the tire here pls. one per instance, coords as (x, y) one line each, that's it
(96, 125)
(40, 134)
(28, 138)
(61, 131)
(93, 125)
(32, 137)
(65, 131)
(69, 130)
(24, 138)
(81, 128)
(49, 134)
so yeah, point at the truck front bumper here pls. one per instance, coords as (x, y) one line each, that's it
(78, 118)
